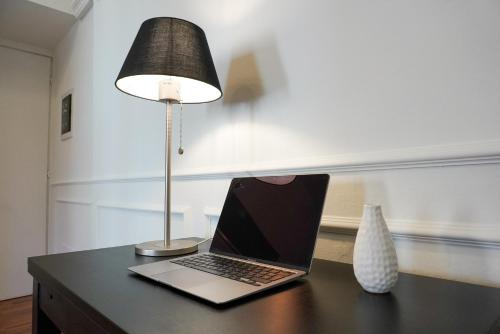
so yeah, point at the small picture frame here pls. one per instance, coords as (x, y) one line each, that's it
(66, 119)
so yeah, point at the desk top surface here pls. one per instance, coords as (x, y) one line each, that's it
(329, 300)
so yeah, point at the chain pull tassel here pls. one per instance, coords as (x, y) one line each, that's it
(180, 150)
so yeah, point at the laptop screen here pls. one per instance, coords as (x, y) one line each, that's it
(272, 219)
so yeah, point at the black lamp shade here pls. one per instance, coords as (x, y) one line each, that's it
(167, 48)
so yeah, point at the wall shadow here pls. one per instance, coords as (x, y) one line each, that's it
(255, 70)
(243, 83)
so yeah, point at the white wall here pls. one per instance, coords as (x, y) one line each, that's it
(24, 113)
(397, 100)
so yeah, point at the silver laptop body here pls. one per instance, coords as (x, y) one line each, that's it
(268, 222)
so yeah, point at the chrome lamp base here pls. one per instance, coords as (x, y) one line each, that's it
(157, 248)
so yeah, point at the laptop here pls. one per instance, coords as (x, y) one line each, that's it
(265, 237)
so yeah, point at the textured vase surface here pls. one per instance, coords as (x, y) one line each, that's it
(375, 261)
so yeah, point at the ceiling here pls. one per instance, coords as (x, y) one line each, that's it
(29, 23)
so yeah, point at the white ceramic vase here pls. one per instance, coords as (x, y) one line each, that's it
(375, 261)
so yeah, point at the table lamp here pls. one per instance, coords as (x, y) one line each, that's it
(169, 62)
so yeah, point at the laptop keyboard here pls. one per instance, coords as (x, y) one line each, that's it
(245, 272)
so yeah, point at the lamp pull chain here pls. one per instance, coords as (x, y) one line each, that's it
(181, 150)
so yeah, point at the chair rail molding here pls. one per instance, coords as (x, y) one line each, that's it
(476, 153)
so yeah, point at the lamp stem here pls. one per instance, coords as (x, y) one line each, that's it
(167, 246)
(168, 150)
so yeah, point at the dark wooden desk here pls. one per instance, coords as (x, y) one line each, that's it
(93, 292)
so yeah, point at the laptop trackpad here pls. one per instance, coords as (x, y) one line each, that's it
(186, 278)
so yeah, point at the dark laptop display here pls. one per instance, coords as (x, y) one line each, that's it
(272, 219)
